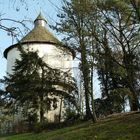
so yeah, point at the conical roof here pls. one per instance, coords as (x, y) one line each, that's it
(40, 17)
(40, 33)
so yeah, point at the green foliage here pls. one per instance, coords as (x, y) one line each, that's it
(33, 84)
(103, 34)
(117, 52)
(73, 24)
(49, 126)
(39, 127)
(72, 115)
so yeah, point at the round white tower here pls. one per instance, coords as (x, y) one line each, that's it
(49, 47)
(41, 40)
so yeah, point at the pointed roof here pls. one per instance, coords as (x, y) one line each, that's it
(39, 34)
(40, 17)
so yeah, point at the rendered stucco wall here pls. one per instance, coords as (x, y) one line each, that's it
(51, 54)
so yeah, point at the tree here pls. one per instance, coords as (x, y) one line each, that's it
(111, 80)
(72, 24)
(136, 8)
(115, 23)
(33, 83)
(98, 28)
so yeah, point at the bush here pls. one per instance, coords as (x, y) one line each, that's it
(45, 126)
(72, 116)
(39, 127)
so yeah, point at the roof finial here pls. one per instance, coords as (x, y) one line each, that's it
(40, 20)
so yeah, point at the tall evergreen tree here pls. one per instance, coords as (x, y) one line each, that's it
(33, 84)
(98, 28)
(73, 20)
(122, 33)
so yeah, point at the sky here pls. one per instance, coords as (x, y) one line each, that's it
(28, 11)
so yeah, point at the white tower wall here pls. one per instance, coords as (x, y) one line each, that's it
(51, 54)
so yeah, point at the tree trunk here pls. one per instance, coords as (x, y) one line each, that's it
(86, 77)
(128, 62)
(92, 98)
(41, 110)
(60, 109)
(134, 103)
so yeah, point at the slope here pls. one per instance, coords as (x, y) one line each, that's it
(124, 126)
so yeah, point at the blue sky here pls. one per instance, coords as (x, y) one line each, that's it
(13, 9)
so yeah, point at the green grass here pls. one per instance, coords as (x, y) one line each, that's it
(119, 127)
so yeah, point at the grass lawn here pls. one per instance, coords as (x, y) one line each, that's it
(117, 127)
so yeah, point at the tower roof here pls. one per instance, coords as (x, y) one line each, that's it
(40, 17)
(39, 34)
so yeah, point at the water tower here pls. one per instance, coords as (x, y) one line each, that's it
(48, 46)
